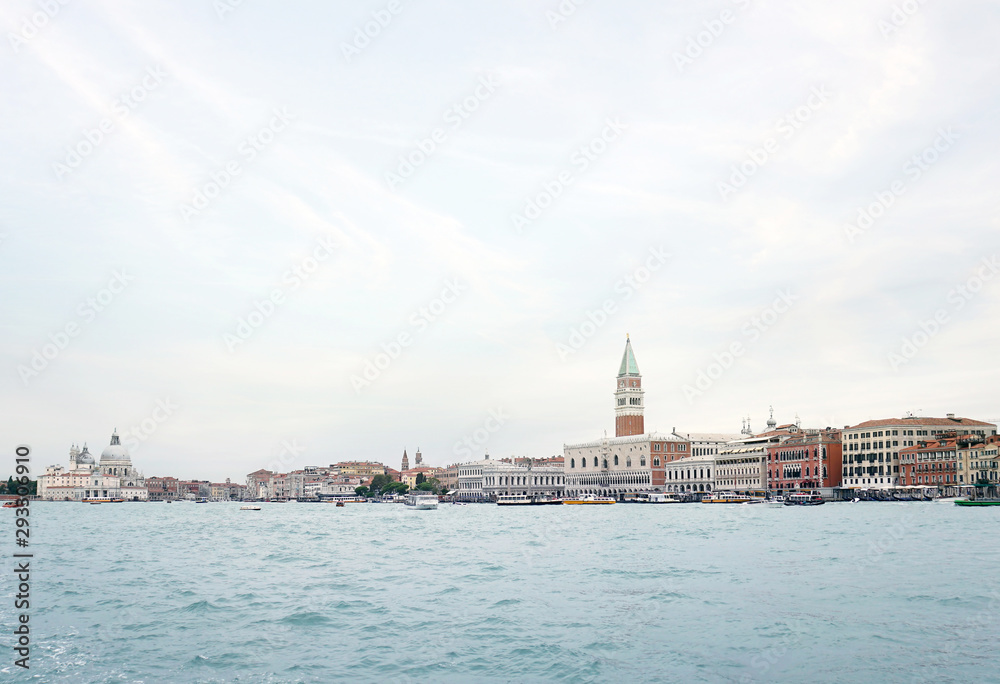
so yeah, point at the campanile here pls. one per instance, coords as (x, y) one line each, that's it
(628, 396)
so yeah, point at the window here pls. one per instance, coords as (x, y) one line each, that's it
(595, 461)
(616, 459)
(642, 461)
(656, 461)
(628, 462)
(572, 463)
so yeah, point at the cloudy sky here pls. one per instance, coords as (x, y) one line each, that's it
(354, 228)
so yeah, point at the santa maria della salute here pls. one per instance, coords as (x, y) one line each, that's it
(113, 477)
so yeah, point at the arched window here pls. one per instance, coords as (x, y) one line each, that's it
(656, 461)
(605, 463)
(572, 463)
(642, 461)
(595, 461)
(616, 459)
(628, 462)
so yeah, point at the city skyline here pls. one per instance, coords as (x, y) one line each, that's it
(271, 227)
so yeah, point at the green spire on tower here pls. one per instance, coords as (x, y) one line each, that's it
(629, 366)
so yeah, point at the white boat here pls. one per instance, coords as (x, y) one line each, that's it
(514, 500)
(249, 508)
(777, 500)
(588, 499)
(726, 498)
(422, 501)
(653, 498)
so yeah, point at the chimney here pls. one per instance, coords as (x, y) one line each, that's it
(951, 416)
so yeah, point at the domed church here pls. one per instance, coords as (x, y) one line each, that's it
(114, 477)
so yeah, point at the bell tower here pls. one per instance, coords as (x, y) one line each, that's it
(628, 396)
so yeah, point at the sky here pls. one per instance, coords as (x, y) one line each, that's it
(248, 233)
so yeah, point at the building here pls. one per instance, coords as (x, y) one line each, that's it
(930, 463)
(805, 459)
(162, 488)
(691, 474)
(632, 461)
(470, 480)
(742, 464)
(449, 478)
(978, 463)
(259, 485)
(113, 477)
(418, 459)
(405, 465)
(410, 476)
(542, 478)
(871, 449)
(707, 443)
(366, 469)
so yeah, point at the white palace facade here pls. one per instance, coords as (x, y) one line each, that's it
(114, 477)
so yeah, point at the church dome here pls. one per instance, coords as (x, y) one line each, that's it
(85, 456)
(115, 451)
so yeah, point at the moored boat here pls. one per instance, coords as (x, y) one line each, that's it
(727, 498)
(100, 501)
(589, 499)
(977, 502)
(804, 499)
(514, 500)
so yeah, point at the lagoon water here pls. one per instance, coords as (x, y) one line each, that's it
(867, 592)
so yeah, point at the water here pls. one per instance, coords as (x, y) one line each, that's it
(888, 592)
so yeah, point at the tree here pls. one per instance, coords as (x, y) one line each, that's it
(420, 478)
(379, 483)
(361, 490)
(425, 487)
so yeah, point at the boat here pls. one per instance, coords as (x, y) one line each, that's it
(804, 499)
(727, 498)
(653, 498)
(777, 500)
(514, 500)
(249, 508)
(589, 499)
(977, 502)
(422, 501)
(100, 501)
(340, 504)
(12, 504)
(202, 501)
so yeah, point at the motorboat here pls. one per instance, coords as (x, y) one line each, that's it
(249, 508)
(421, 501)
(804, 499)
(727, 498)
(589, 499)
(652, 498)
(514, 500)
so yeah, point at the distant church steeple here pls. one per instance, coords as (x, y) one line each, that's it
(406, 462)
(771, 422)
(628, 396)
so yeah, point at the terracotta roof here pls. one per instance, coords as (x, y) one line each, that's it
(919, 420)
